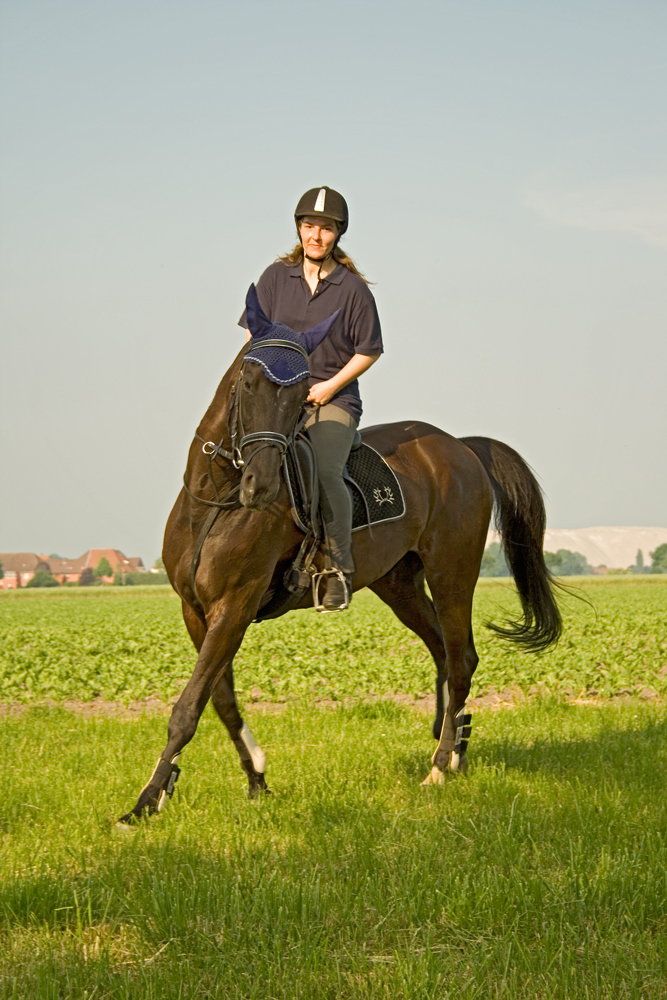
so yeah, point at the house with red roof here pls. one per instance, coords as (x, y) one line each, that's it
(20, 567)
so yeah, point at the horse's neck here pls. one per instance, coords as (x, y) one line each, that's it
(213, 426)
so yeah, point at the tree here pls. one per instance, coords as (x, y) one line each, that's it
(566, 563)
(103, 568)
(659, 559)
(87, 578)
(2, 572)
(493, 561)
(639, 562)
(159, 564)
(42, 578)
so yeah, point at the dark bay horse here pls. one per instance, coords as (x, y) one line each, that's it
(230, 539)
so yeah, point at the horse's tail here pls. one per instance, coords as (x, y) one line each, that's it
(521, 519)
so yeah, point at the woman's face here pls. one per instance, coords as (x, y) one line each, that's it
(318, 236)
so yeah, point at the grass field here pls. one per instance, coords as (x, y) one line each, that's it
(542, 874)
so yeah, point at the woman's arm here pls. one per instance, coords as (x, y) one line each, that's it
(322, 392)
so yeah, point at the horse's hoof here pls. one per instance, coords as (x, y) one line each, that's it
(458, 764)
(436, 777)
(257, 787)
(127, 822)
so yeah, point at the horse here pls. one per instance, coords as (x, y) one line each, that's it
(231, 537)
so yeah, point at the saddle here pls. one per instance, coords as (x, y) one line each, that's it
(376, 498)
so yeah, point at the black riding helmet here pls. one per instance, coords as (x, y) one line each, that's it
(326, 202)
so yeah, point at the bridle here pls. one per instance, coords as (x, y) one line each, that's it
(234, 454)
(239, 439)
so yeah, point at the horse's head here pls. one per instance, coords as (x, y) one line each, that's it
(270, 392)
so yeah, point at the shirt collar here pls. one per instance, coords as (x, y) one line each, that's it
(334, 278)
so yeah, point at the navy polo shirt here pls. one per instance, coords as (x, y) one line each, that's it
(285, 297)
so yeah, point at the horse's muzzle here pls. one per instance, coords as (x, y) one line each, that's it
(256, 495)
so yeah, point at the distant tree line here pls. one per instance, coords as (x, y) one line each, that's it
(658, 559)
(567, 563)
(561, 563)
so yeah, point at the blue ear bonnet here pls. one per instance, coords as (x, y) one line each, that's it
(281, 365)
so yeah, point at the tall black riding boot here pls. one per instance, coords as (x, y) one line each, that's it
(338, 592)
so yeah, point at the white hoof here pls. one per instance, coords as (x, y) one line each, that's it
(436, 777)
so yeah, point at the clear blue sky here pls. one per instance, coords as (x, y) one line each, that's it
(506, 170)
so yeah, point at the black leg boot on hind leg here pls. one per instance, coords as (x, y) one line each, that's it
(450, 755)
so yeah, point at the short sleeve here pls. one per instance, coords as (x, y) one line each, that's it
(364, 327)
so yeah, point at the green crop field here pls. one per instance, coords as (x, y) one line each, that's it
(128, 643)
(542, 874)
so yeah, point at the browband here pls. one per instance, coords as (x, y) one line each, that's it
(279, 343)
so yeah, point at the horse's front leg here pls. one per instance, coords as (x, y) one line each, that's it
(251, 755)
(223, 638)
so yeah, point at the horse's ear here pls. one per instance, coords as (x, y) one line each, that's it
(258, 322)
(313, 338)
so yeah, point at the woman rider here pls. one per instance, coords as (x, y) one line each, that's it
(301, 289)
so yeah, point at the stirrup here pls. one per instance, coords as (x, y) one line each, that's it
(317, 579)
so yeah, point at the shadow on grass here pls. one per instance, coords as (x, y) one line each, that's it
(626, 755)
(619, 753)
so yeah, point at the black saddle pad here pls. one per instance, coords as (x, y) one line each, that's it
(376, 492)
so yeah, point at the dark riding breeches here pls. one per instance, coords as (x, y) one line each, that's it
(331, 431)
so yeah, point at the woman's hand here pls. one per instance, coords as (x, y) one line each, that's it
(322, 393)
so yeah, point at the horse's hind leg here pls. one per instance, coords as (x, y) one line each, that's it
(403, 590)
(452, 596)
(251, 755)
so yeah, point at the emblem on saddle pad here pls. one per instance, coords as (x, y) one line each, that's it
(388, 496)
(376, 492)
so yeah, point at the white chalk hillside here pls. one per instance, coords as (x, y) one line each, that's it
(612, 547)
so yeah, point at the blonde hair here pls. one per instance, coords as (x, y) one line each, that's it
(296, 257)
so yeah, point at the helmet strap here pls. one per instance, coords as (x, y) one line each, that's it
(317, 260)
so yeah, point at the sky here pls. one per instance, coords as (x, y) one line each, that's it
(505, 165)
